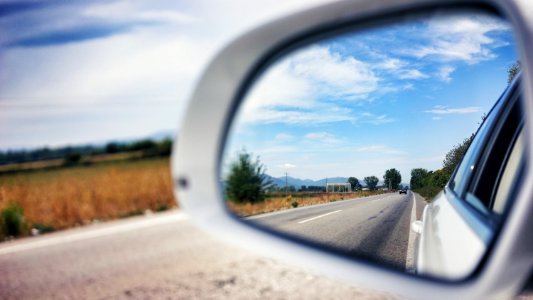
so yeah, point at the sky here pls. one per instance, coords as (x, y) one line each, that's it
(397, 96)
(76, 72)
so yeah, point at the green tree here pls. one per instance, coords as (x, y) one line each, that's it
(371, 182)
(164, 147)
(112, 147)
(513, 70)
(455, 155)
(354, 182)
(392, 178)
(439, 179)
(418, 176)
(247, 181)
(72, 159)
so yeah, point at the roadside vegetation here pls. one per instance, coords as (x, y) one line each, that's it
(280, 201)
(429, 183)
(43, 196)
(248, 191)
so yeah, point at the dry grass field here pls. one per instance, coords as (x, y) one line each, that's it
(285, 202)
(73, 196)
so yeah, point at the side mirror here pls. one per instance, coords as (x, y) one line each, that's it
(353, 90)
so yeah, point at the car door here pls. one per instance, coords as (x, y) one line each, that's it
(461, 222)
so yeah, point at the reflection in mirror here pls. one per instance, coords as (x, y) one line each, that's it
(344, 142)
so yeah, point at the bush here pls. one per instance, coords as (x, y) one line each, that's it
(162, 207)
(428, 192)
(72, 159)
(12, 220)
(44, 228)
(246, 182)
(294, 204)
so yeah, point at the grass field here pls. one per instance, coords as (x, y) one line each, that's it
(73, 196)
(286, 202)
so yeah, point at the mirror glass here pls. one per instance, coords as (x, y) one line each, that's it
(347, 142)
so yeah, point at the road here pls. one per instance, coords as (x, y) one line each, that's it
(161, 256)
(376, 227)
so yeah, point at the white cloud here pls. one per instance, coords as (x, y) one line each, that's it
(411, 74)
(436, 118)
(271, 115)
(293, 90)
(371, 118)
(391, 64)
(408, 87)
(444, 73)
(440, 110)
(460, 38)
(333, 75)
(136, 11)
(321, 136)
(287, 166)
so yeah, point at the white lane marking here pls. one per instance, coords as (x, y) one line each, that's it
(317, 217)
(87, 233)
(410, 259)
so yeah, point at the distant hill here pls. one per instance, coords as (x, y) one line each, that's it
(296, 182)
(163, 134)
(153, 144)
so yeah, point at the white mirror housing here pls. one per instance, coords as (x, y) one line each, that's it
(196, 158)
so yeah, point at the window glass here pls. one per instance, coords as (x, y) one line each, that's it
(467, 166)
(509, 175)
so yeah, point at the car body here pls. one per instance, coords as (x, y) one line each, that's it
(403, 191)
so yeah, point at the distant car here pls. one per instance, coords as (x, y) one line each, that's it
(403, 191)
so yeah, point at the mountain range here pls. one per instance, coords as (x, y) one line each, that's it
(296, 182)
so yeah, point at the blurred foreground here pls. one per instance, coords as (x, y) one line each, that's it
(158, 257)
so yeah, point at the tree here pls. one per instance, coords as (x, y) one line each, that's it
(72, 159)
(439, 179)
(354, 182)
(112, 147)
(392, 178)
(247, 181)
(418, 176)
(455, 155)
(371, 182)
(513, 70)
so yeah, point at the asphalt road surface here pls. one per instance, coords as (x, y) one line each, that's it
(376, 227)
(161, 256)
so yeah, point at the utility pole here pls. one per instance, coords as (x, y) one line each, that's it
(326, 184)
(286, 185)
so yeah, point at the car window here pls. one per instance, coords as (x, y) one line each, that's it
(509, 176)
(466, 167)
(499, 148)
(476, 178)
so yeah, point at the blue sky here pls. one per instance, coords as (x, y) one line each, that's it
(392, 97)
(75, 72)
